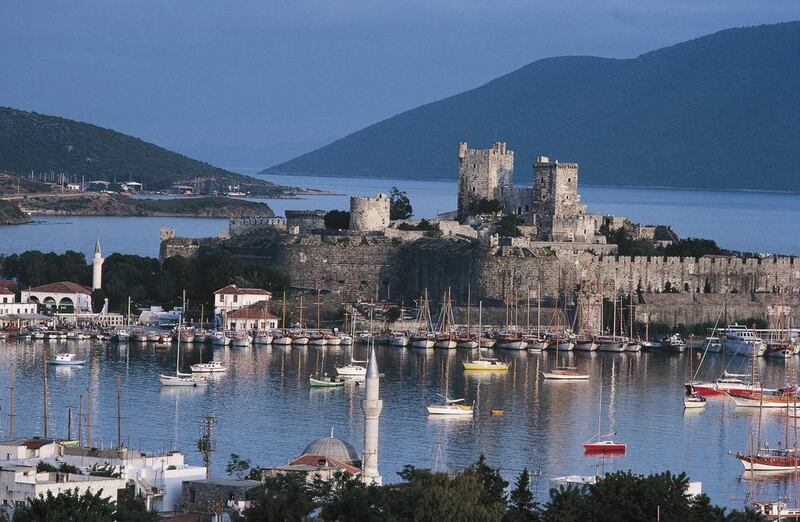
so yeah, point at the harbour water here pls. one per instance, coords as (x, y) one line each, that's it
(267, 412)
(749, 221)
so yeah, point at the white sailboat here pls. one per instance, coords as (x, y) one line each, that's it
(357, 369)
(450, 407)
(181, 379)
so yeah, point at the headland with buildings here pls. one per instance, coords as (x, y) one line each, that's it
(557, 246)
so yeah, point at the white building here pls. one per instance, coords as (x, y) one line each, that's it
(64, 296)
(20, 483)
(157, 478)
(255, 317)
(8, 306)
(232, 298)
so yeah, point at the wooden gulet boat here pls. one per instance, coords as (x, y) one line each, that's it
(565, 373)
(423, 338)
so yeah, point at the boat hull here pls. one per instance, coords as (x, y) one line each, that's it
(588, 346)
(447, 344)
(512, 345)
(172, 380)
(331, 383)
(493, 366)
(450, 410)
(615, 347)
(600, 448)
(557, 376)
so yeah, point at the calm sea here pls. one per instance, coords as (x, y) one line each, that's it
(750, 221)
(267, 412)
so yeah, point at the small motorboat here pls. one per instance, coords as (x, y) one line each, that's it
(694, 401)
(182, 379)
(325, 382)
(209, 367)
(66, 359)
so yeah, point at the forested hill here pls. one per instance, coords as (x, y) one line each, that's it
(721, 111)
(31, 142)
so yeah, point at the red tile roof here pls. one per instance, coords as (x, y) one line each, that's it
(5, 291)
(235, 290)
(250, 312)
(7, 283)
(63, 287)
(323, 461)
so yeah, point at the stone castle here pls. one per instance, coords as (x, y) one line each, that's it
(561, 250)
(551, 208)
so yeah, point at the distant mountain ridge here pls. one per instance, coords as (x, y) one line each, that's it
(39, 143)
(720, 111)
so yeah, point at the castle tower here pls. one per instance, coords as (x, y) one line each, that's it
(370, 214)
(372, 406)
(483, 174)
(97, 266)
(556, 203)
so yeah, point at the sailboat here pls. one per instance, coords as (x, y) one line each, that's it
(565, 373)
(444, 338)
(282, 338)
(601, 444)
(613, 343)
(423, 338)
(777, 460)
(356, 369)
(399, 339)
(535, 342)
(511, 339)
(322, 380)
(448, 406)
(181, 379)
(467, 339)
(634, 345)
(586, 341)
(484, 363)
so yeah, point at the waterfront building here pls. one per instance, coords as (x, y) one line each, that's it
(231, 297)
(255, 317)
(9, 306)
(64, 296)
(97, 266)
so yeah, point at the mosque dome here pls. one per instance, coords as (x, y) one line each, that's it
(335, 449)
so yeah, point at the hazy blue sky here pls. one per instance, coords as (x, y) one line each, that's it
(255, 72)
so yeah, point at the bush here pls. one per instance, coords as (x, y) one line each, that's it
(508, 227)
(337, 220)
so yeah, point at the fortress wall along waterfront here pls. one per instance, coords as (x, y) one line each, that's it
(363, 266)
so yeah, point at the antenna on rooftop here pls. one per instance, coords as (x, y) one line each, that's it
(206, 444)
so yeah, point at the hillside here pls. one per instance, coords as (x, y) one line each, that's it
(721, 111)
(45, 144)
(10, 214)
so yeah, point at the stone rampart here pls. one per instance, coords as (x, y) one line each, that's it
(244, 225)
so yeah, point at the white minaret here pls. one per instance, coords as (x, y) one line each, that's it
(372, 406)
(97, 266)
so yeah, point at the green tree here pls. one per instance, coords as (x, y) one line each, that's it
(337, 220)
(348, 498)
(399, 205)
(67, 506)
(494, 486)
(237, 466)
(98, 300)
(285, 497)
(522, 507)
(486, 206)
(131, 507)
(508, 226)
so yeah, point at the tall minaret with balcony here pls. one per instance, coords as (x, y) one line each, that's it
(97, 266)
(372, 405)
